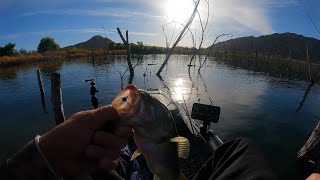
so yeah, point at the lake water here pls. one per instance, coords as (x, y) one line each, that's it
(253, 104)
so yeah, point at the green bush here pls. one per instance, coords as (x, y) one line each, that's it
(47, 44)
(8, 49)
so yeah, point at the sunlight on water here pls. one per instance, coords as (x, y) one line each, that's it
(179, 90)
(253, 104)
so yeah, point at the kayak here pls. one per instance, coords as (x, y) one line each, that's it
(202, 145)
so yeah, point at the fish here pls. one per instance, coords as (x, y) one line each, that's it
(155, 133)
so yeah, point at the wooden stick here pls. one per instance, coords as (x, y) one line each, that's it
(40, 82)
(43, 100)
(56, 98)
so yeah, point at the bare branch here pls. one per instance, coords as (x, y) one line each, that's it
(203, 32)
(305, 95)
(312, 21)
(211, 47)
(308, 62)
(121, 36)
(180, 37)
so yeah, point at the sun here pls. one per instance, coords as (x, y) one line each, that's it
(179, 10)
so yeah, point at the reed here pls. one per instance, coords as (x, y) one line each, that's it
(62, 54)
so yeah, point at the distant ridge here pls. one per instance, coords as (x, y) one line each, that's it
(94, 43)
(285, 44)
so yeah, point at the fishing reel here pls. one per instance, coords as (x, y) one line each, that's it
(93, 91)
(207, 114)
(92, 83)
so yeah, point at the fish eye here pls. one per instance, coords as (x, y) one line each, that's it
(124, 99)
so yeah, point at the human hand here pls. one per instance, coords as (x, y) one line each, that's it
(314, 176)
(78, 146)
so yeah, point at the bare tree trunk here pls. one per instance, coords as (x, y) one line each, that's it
(127, 44)
(180, 37)
(56, 98)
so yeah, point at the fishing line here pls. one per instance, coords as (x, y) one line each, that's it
(184, 108)
(191, 121)
(205, 88)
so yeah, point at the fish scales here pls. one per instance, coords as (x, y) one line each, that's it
(155, 132)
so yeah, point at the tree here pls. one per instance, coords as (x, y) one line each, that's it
(23, 51)
(8, 49)
(47, 44)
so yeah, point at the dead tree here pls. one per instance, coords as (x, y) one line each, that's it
(312, 81)
(310, 151)
(182, 33)
(127, 44)
(204, 31)
(210, 49)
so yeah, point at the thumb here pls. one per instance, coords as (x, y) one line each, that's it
(104, 115)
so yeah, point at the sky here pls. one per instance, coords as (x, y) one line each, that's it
(73, 21)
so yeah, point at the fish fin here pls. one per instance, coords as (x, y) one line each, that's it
(182, 177)
(156, 177)
(183, 146)
(135, 154)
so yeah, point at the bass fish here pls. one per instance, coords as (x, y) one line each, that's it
(155, 132)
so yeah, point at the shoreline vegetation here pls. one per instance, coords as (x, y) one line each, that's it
(256, 60)
(17, 59)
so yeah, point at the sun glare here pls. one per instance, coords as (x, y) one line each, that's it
(179, 10)
(179, 90)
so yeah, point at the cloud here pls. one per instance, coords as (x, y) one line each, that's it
(280, 3)
(112, 12)
(79, 31)
(251, 15)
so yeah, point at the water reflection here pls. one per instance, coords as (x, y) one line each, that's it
(252, 104)
(179, 90)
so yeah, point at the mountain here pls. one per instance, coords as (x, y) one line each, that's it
(93, 43)
(286, 45)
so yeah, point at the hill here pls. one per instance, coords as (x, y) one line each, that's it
(94, 43)
(285, 45)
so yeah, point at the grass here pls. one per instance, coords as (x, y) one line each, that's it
(6, 61)
(63, 54)
(269, 63)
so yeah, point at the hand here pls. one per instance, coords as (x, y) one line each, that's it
(314, 176)
(79, 146)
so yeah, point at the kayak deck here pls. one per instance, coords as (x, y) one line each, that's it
(200, 150)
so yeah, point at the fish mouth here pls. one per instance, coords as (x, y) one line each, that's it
(128, 102)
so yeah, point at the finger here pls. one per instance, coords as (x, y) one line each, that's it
(94, 152)
(96, 119)
(104, 115)
(123, 131)
(109, 140)
(314, 176)
(107, 164)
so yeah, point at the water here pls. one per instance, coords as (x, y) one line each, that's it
(253, 104)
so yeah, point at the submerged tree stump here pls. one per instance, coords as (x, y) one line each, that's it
(310, 152)
(43, 100)
(40, 82)
(56, 98)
